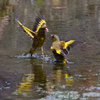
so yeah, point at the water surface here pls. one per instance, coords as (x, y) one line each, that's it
(42, 79)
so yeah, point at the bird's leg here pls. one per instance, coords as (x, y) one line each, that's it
(31, 51)
(42, 52)
(66, 61)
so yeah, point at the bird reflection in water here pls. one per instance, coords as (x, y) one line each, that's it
(43, 80)
(25, 85)
(62, 76)
(33, 82)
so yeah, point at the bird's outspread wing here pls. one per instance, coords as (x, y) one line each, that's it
(72, 43)
(68, 43)
(27, 30)
(39, 23)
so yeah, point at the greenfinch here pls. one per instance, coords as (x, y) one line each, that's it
(37, 33)
(60, 49)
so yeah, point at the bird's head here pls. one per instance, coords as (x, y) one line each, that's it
(40, 24)
(55, 37)
(45, 27)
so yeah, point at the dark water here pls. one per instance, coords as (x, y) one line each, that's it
(42, 79)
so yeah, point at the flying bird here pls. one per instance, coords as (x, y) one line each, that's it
(60, 49)
(37, 34)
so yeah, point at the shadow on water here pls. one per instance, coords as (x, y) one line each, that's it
(32, 79)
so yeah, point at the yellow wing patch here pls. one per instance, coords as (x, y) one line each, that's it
(27, 30)
(40, 24)
(58, 51)
(68, 43)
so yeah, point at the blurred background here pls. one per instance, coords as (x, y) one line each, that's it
(38, 79)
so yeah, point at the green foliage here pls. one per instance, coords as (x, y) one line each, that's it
(39, 2)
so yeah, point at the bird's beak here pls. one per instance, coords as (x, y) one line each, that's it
(51, 35)
(46, 29)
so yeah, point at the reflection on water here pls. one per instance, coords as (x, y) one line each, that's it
(58, 82)
(25, 86)
(60, 72)
(44, 83)
(4, 22)
(23, 78)
(31, 83)
(39, 75)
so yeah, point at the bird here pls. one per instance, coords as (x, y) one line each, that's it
(60, 49)
(37, 34)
